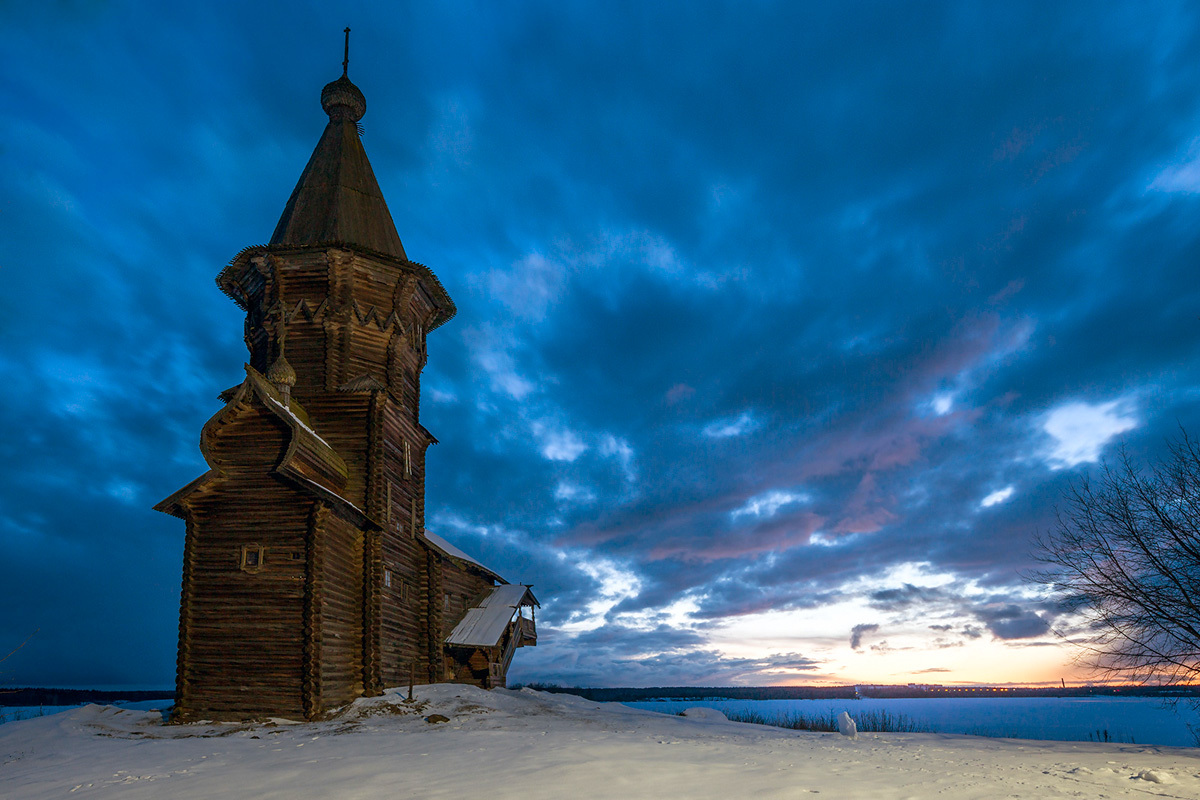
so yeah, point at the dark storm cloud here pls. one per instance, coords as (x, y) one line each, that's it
(1004, 616)
(755, 301)
(1013, 622)
(857, 633)
(905, 597)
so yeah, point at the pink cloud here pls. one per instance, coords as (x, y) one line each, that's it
(678, 393)
(865, 511)
(774, 536)
(890, 434)
(1018, 139)
(1010, 289)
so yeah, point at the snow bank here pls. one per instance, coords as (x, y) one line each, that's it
(532, 745)
(705, 714)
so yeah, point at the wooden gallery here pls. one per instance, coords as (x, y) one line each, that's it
(308, 577)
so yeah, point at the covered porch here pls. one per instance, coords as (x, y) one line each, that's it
(481, 646)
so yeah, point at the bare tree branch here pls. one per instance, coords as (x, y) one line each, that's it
(18, 647)
(13, 652)
(1124, 554)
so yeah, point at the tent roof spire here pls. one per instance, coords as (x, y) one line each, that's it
(337, 199)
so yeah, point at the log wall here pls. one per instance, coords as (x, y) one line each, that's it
(342, 613)
(347, 315)
(403, 620)
(244, 653)
(343, 421)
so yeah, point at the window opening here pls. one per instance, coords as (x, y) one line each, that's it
(252, 558)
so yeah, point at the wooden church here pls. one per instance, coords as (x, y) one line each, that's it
(308, 577)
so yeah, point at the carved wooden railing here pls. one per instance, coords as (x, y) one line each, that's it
(526, 632)
(509, 649)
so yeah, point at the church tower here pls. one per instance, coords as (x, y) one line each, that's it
(309, 578)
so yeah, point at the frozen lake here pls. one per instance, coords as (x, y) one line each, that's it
(1141, 720)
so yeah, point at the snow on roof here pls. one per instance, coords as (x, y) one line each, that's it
(287, 411)
(454, 552)
(484, 625)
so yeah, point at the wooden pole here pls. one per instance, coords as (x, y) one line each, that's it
(412, 671)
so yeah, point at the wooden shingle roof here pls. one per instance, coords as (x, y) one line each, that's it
(452, 552)
(337, 198)
(309, 462)
(484, 625)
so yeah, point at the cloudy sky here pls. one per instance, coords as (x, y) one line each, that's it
(781, 326)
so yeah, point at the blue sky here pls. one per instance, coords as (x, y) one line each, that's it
(781, 328)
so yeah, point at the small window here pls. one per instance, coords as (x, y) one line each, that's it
(387, 578)
(253, 558)
(407, 460)
(445, 602)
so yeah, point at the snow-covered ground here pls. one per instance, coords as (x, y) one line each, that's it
(16, 713)
(531, 745)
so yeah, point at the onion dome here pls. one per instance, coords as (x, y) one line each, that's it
(282, 377)
(341, 99)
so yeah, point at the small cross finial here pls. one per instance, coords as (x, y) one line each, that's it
(346, 59)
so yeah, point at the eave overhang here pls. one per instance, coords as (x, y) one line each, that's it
(232, 280)
(309, 462)
(440, 545)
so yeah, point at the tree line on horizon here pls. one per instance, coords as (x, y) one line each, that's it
(632, 694)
